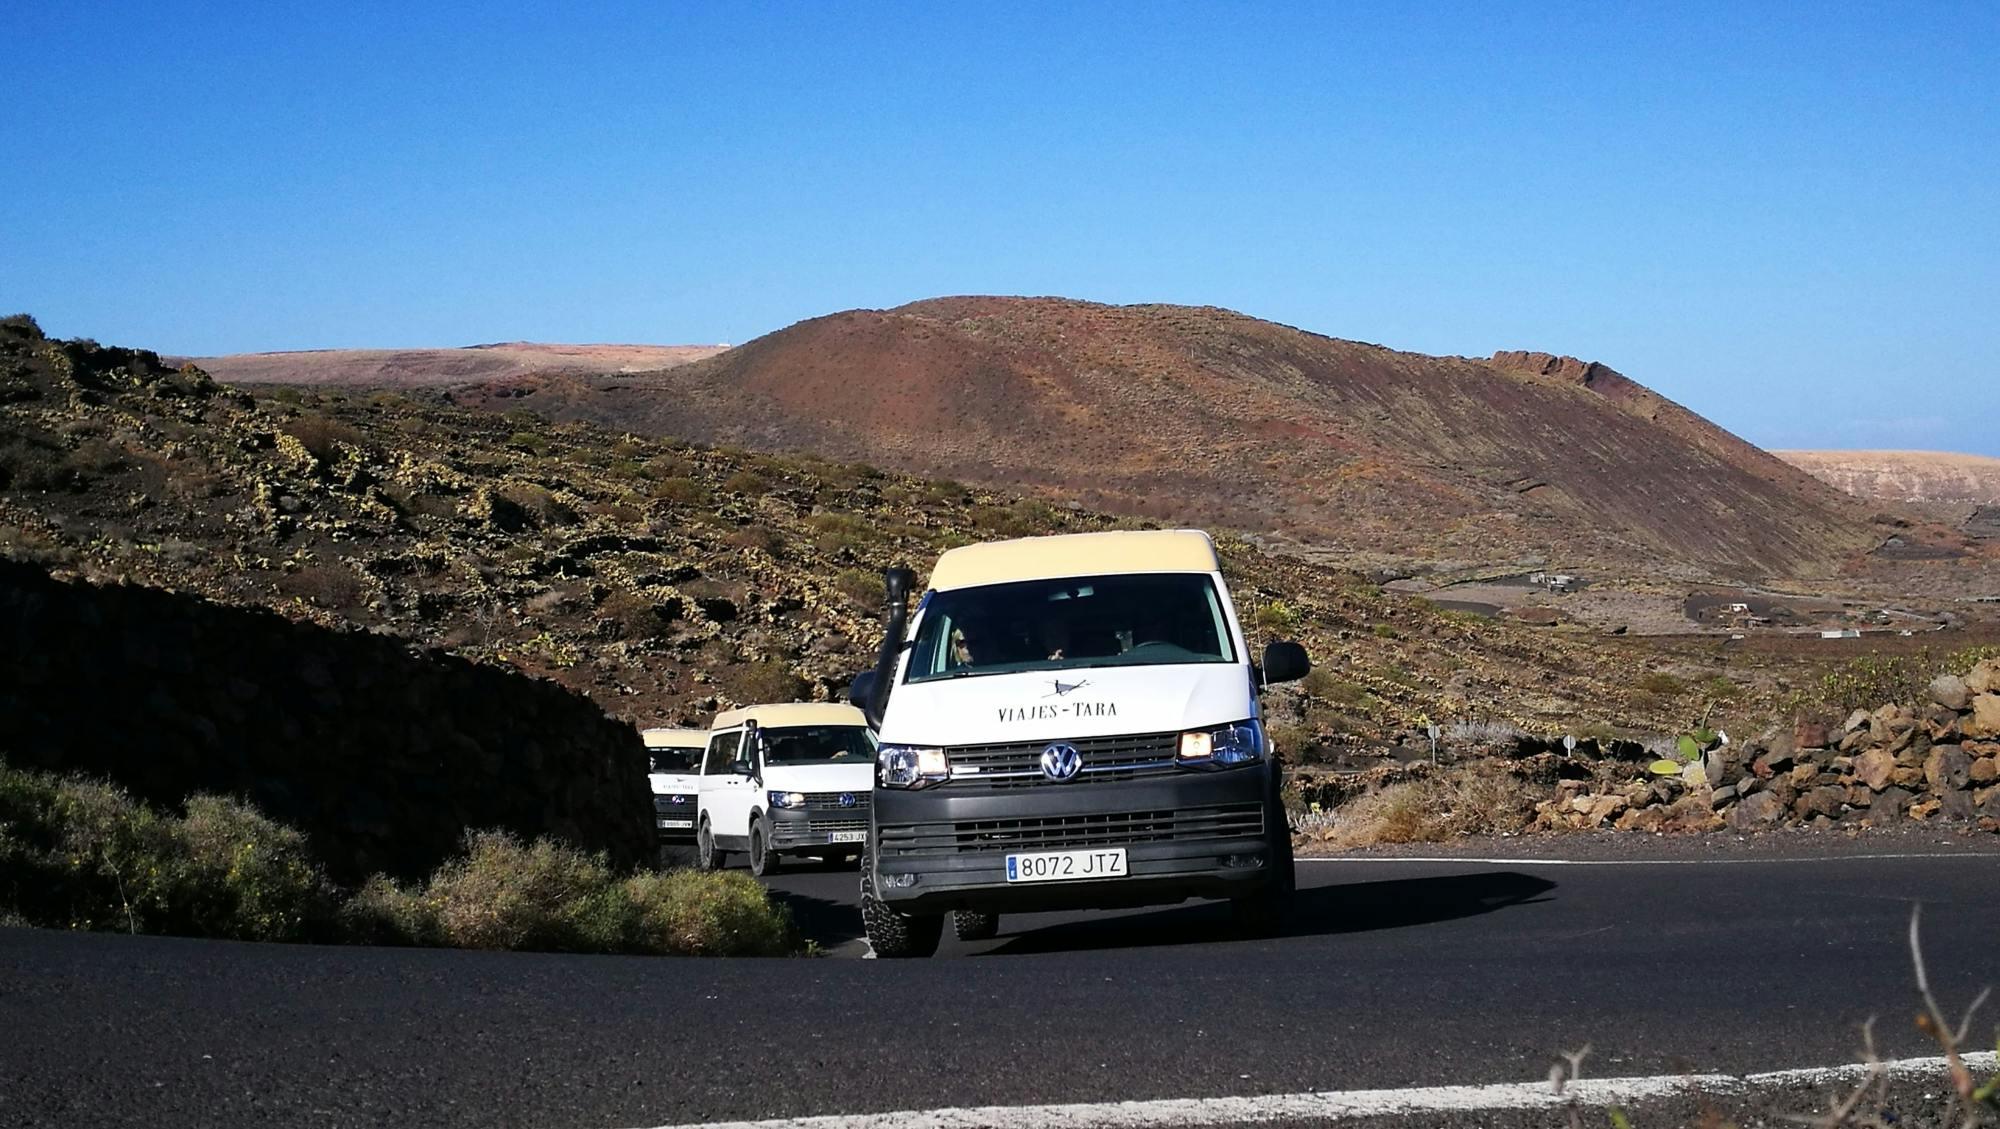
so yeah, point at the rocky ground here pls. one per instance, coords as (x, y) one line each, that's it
(1938, 759)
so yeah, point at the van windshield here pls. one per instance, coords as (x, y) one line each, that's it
(1142, 619)
(667, 759)
(819, 744)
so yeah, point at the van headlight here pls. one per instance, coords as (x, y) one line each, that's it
(911, 766)
(787, 799)
(1227, 747)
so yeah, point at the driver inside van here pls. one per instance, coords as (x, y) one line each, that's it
(976, 644)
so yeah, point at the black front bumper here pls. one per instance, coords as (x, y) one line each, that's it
(813, 830)
(666, 811)
(1185, 835)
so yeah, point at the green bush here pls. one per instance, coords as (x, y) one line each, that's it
(747, 482)
(508, 895)
(1661, 683)
(1279, 619)
(861, 586)
(678, 491)
(528, 442)
(548, 897)
(533, 503)
(767, 681)
(84, 854)
(716, 913)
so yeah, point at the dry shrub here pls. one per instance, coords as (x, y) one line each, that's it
(544, 896)
(385, 912)
(861, 586)
(720, 913)
(321, 435)
(760, 537)
(619, 512)
(83, 854)
(761, 682)
(549, 897)
(1476, 799)
(667, 466)
(747, 482)
(635, 616)
(419, 503)
(530, 503)
(678, 490)
(333, 587)
(30, 463)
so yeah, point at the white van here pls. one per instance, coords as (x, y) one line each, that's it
(789, 779)
(674, 769)
(1070, 722)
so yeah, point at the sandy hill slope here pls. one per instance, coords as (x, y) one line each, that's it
(1202, 414)
(1928, 477)
(411, 368)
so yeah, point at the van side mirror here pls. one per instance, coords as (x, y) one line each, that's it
(861, 691)
(1285, 661)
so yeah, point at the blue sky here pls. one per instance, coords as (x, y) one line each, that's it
(1787, 218)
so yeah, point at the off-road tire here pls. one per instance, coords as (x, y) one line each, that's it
(971, 925)
(707, 856)
(763, 860)
(1263, 914)
(894, 935)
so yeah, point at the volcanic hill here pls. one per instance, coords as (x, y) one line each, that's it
(1197, 414)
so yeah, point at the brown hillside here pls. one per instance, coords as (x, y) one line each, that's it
(1201, 414)
(417, 368)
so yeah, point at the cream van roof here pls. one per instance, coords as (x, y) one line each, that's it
(1075, 554)
(674, 738)
(791, 713)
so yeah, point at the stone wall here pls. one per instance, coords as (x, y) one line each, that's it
(1933, 760)
(382, 754)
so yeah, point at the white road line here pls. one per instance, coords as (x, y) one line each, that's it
(1645, 862)
(1343, 1105)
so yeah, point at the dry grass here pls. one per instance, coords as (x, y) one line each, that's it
(1476, 799)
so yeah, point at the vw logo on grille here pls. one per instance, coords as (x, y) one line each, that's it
(847, 799)
(1061, 762)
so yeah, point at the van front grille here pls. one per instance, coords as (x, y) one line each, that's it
(1105, 759)
(1065, 832)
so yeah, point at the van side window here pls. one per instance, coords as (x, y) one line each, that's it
(722, 753)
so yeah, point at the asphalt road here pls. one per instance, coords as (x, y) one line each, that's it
(1397, 973)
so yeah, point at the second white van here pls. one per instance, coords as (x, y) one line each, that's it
(789, 779)
(674, 770)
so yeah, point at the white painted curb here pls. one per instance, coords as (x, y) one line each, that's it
(1336, 1106)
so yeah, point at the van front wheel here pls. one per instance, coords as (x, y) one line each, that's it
(763, 860)
(707, 856)
(892, 934)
